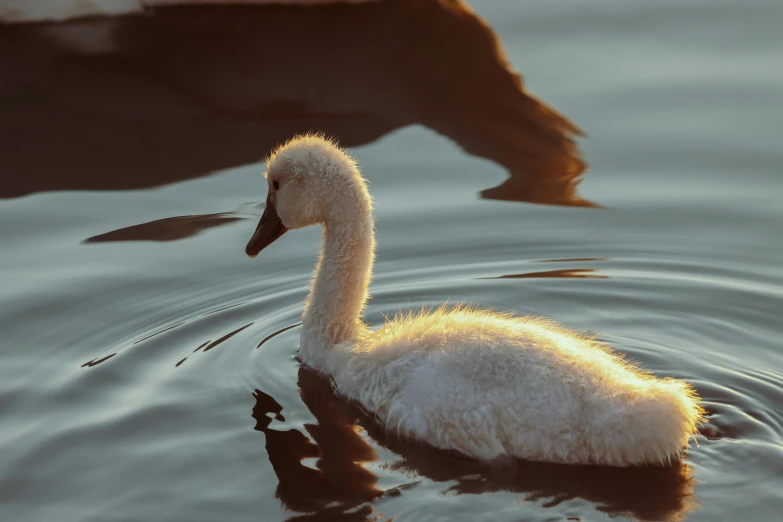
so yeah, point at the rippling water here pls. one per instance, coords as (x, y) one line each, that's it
(149, 367)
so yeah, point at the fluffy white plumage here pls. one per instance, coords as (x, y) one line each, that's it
(479, 382)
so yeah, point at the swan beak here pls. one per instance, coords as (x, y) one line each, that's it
(268, 230)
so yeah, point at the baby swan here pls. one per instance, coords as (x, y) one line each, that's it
(485, 384)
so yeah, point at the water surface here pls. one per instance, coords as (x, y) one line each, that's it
(149, 367)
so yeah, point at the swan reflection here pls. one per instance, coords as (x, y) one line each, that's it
(340, 487)
(339, 482)
(142, 101)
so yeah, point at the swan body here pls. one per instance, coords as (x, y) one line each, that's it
(486, 384)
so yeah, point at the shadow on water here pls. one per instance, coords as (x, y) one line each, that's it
(142, 101)
(339, 487)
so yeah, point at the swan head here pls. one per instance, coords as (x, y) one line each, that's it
(310, 181)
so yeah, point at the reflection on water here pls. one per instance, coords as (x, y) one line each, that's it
(338, 476)
(568, 273)
(572, 260)
(275, 334)
(204, 347)
(194, 351)
(178, 227)
(168, 229)
(226, 337)
(563, 273)
(185, 91)
(109, 402)
(97, 361)
(339, 481)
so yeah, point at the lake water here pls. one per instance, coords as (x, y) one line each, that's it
(149, 366)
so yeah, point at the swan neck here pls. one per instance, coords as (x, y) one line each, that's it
(339, 290)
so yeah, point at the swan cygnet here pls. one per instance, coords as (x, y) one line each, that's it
(486, 384)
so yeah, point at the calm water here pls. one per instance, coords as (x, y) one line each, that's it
(132, 383)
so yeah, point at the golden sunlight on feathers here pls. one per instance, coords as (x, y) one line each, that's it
(483, 383)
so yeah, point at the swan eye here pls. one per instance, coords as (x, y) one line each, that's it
(276, 184)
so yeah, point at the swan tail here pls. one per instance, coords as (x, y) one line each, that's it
(651, 426)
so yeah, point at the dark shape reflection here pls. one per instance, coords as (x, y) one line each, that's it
(568, 273)
(142, 101)
(167, 229)
(97, 361)
(340, 482)
(572, 260)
